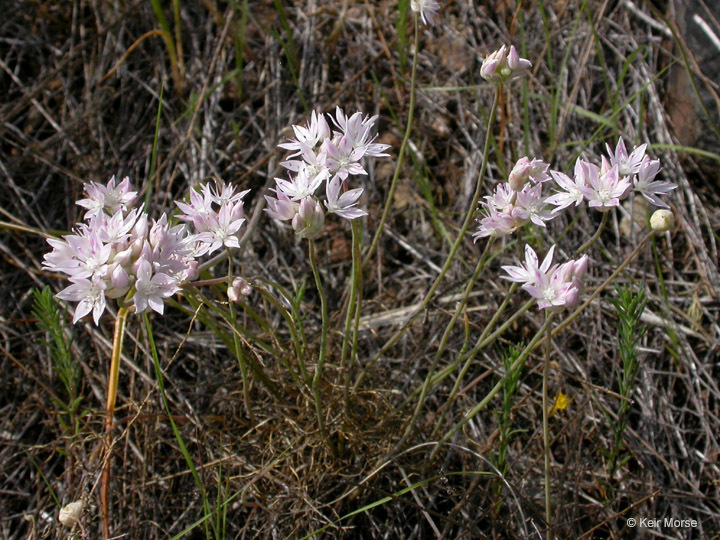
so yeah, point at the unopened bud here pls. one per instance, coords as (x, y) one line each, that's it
(70, 513)
(662, 220)
(309, 220)
(526, 169)
(237, 289)
(192, 271)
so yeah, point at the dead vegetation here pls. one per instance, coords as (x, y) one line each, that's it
(80, 84)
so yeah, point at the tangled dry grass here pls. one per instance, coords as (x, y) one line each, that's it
(80, 84)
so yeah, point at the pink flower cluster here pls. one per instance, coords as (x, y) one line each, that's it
(516, 202)
(604, 186)
(321, 154)
(118, 252)
(555, 286)
(520, 200)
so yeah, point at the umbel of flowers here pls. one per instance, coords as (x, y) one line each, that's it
(324, 155)
(521, 200)
(117, 252)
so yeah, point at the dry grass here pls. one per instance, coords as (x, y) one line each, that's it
(65, 122)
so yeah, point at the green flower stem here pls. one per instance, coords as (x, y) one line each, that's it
(178, 437)
(355, 284)
(239, 353)
(443, 341)
(113, 376)
(482, 341)
(453, 250)
(401, 154)
(298, 340)
(546, 432)
(473, 353)
(323, 334)
(517, 364)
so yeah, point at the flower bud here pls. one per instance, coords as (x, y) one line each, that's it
(519, 175)
(572, 297)
(309, 220)
(580, 267)
(119, 281)
(662, 220)
(526, 169)
(192, 270)
(70, 513)
(238, 288)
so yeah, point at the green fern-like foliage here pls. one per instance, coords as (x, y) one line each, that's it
(51, 320)
(629, 306)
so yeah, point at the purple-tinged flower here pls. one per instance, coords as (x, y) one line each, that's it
(343, 158)
(502, 198)
(495, 224)
(603, 190)
(152, 290)
(314, 162)
(110, 197)
(312, 134)
(90, 295)
(427, 10)
(342, 205)
(530, 206)
(357, 130)
(115, 229)
(527, 273)
(89, 252)
(556, 287)
(504, 65)
(627, 164)
(224, 193)
(525, 169)
(572, 192)
(199, 209)
(645, 184)
(225, 225)
(552, 292)
(302, 185)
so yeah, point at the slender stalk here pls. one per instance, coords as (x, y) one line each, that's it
(239, 353)
(443, 341)
(298, 341)
(470, 357)
(518, 363)
(546, 433)
(453, 250)
(351, 311)
(118, 336)
(323, 333)
(401, 154)
(178, 437)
